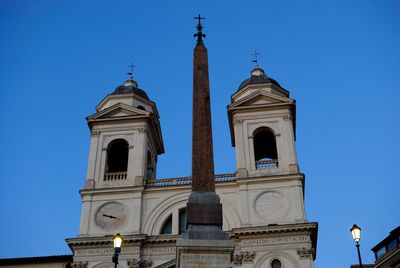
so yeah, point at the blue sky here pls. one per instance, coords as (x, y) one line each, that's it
(339, 59)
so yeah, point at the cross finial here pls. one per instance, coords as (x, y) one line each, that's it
(199, 33)
(131, 71)
(255, 54)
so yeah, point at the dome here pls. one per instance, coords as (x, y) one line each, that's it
(258, 76)
(130, 86)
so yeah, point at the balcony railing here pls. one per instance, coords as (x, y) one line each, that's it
(261, 164)
(186, 180)
(115, 176)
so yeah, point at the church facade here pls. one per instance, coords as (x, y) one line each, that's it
(263, 213)
(262, 200)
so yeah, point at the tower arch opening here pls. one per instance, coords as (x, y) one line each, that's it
(117, 160)
(150, 166)
(265, 151)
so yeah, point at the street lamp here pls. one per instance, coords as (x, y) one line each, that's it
(117, 239)
(356, 233)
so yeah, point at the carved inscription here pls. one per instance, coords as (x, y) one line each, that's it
(205, 260)
(165, 250)
(104, 251)
(275, 241)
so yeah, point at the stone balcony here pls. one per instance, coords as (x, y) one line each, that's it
(186, 180)
(115, 176)
(263, 164)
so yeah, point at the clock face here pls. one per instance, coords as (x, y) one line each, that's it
(111, 216)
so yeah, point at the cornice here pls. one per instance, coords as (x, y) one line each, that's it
(103, 240)
(114, 189)
(128, 240)
(270, 178)
(124, 96)
(273, 229)
(261, 86)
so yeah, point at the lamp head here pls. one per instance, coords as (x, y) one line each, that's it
(356, 233)
(117, 239)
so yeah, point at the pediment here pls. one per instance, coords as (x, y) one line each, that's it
(260, 97)
(118, 110)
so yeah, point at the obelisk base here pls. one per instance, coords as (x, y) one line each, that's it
(199, 253)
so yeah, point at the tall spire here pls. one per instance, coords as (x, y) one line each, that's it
(202, 147)
(204, 206)
(204, 244)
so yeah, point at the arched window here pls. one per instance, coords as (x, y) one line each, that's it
(167, 227)
(117, 156)
(182, 220)
(265, 152)
(169, 224)
(276, 263)
(141, 108)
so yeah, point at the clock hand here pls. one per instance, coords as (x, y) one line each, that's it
(111, 217)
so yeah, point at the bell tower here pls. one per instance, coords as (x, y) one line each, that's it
(262, 123)
(125, 142)
(262, 119)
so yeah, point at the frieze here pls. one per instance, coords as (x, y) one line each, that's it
(275, 241)
(104, 251)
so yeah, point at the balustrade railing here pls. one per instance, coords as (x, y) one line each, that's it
(186, 180)
(267, 164)
(115, 176)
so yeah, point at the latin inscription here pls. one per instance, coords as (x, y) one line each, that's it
(165, 250)
(103, 251)
(205, 260)
(275, 240)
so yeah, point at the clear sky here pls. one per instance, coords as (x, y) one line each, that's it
(339, 59)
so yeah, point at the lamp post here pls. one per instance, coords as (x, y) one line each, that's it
(117, 239)
(356, 233)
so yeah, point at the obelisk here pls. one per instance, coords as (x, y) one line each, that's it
(204, 244)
